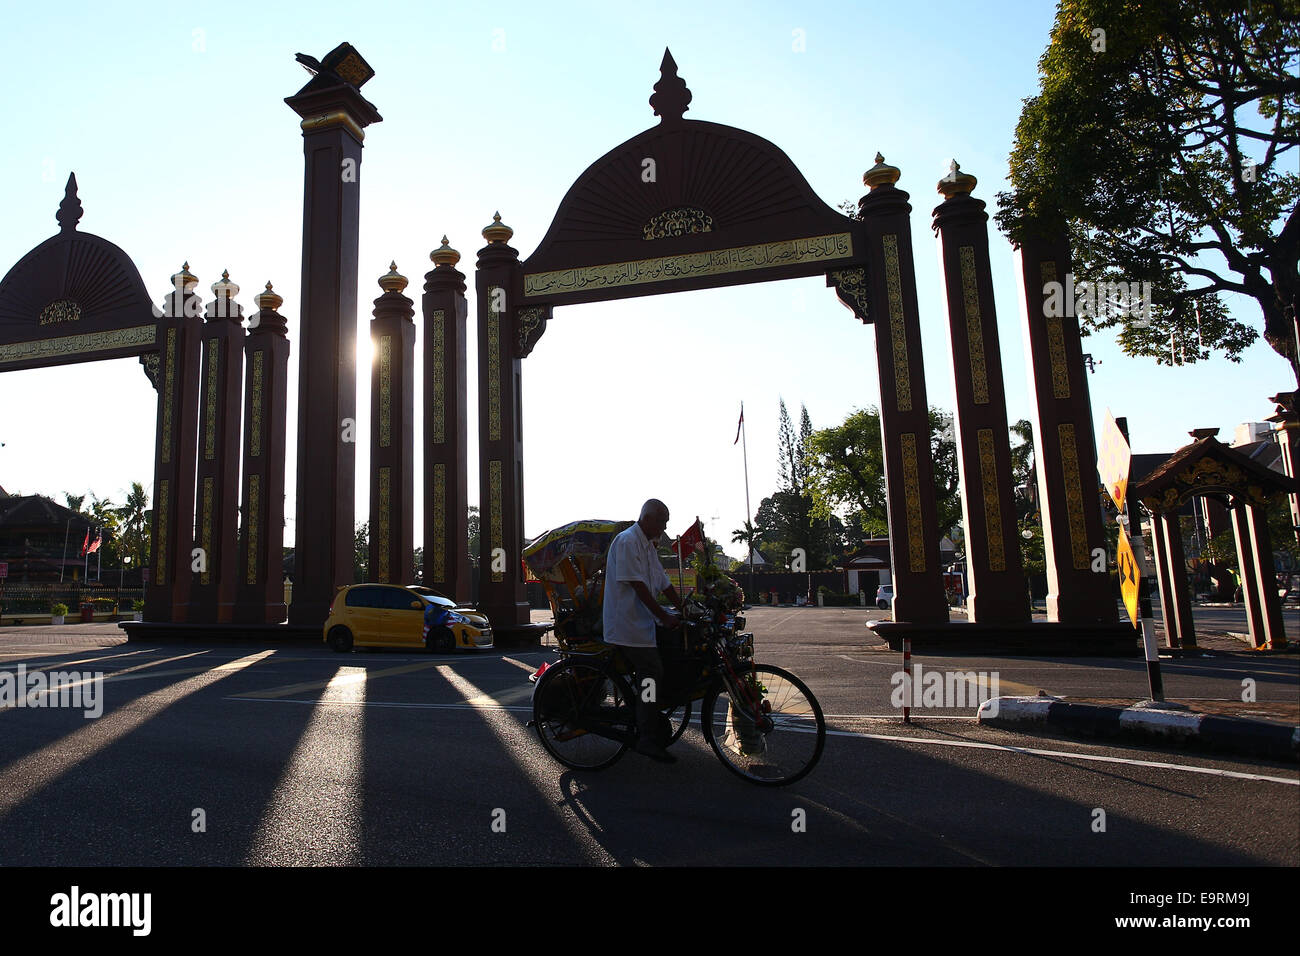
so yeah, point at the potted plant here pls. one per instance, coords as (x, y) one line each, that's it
(138, 608)
(57, 613)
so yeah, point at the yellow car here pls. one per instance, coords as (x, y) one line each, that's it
(385, 615)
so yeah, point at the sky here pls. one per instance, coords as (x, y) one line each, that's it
(172, 117)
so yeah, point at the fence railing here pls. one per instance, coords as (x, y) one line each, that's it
(38, 599)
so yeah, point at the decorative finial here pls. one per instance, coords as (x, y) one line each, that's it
(70, 210)
(881, 174)
(671, 98)
(185, 280)
(497, 231)
(268, 300)
(445, 255)
(225, 287)
(393, 281)
(956, 183)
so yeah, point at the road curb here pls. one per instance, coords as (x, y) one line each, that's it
(1177, 728)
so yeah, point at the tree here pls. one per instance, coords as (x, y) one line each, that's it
(746, 537)
(104, 516)
(134, 520)
(1023, 475)
(473, 525)
(785, 520)
(1157, 145)
(361, 553)
(846, 467)
(74, 501)
(789, 458)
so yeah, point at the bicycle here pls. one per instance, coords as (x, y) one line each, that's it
(761, 721)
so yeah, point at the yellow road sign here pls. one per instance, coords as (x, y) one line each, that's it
(1113, 458)
(1129, 578)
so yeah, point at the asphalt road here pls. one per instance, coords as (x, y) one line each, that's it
(301, 756)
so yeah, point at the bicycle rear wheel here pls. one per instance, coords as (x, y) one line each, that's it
(778, 745)
(583, 714)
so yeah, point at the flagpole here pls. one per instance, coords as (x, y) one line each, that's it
(744, 449)
(65, 550)
(681, 583)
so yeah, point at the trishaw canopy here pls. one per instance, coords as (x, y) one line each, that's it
(586, 541)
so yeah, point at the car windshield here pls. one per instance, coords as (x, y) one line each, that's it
(430, 595)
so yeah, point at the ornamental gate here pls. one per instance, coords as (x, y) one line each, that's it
(78, 298)
(684, 205)
(689, 204)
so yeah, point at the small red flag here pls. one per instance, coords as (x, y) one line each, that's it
(692, 540)
(739, 423)
(85, 544)
(99, 539)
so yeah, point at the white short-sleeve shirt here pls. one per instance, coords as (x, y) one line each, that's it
(631, 558)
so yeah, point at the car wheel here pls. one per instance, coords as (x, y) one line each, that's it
(441, 641)
(883, 605)
(341, 639)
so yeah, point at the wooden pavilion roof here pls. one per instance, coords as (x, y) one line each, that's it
(1209, 467)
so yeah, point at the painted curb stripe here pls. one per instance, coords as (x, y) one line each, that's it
(1255, 737)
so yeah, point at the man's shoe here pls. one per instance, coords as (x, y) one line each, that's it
(654, 751)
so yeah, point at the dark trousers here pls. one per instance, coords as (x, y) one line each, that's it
(649, 666)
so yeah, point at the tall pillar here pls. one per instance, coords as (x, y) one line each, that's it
(446, 492)
(914, 530)
(259, 598)
(1258, 581)
(498, 283)
(172, 528)
(212, 596)
(1181, 609)
(997, 579)
(1065, 452)
(392, 435)
(333, 116)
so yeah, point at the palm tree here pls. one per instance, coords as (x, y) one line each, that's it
(1022, 466)
(745, 535)
(104, 517)
(74, 501)
(135, 525)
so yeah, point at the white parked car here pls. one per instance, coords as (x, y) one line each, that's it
(885, 597)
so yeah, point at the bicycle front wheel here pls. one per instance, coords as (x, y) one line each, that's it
(773, 735)
(583, 713)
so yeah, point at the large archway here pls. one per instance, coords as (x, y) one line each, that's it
(77, 297)
(686, 205)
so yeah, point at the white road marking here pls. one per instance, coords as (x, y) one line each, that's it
(407, 705)
(483, 705)
(1033, 751)
(893, 664)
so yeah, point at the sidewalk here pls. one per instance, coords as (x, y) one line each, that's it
(1264, 729)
